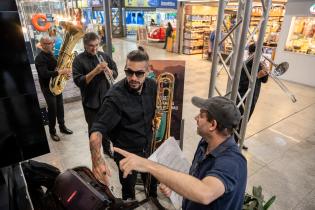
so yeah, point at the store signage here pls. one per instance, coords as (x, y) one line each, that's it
(49, 17)
(95, 3)
(168, 3)
(83, 3)
(142, 3)
(312, 9)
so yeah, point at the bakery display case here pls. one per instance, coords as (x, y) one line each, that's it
(301, 38)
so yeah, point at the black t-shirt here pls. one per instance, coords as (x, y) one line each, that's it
(126, 116)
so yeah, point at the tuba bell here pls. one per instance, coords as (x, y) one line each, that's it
(72, 35)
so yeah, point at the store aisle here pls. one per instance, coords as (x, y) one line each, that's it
(280, 136)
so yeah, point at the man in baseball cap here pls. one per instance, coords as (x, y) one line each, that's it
(217, 177)
(221, 109)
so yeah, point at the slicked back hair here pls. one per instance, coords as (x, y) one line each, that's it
(138, 55)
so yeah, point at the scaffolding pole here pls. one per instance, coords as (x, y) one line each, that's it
(215, 52)
(258, 52)
(236, 37)
(108, 27)
(241, 49)
(240, 38)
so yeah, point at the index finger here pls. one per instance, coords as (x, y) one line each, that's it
(121, 151)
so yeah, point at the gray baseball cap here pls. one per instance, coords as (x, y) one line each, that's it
(222, 109)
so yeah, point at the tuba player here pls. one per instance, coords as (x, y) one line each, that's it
(46, 64)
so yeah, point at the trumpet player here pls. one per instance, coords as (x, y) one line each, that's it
(262, 77)
(46, 64)
(89, 75)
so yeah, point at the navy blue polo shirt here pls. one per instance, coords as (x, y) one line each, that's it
(228, 165)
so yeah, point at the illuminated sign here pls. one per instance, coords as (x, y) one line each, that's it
(142, 3)
(151, 3)
(168, 3)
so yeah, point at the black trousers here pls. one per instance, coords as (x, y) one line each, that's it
(165, 43)
(128, 184)
(90, 117)
(55, 109)
(252, 108)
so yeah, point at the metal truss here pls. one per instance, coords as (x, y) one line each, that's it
(117, 18)
(240, 37)
(108, 27)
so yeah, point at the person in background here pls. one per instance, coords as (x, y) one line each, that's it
(168, 33)
(46, 64)
(89, 76)
(262, 77)
(217, 177)
(53, 34)
(101, 33)
(152, 23)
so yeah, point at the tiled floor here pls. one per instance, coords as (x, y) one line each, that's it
(280, 135)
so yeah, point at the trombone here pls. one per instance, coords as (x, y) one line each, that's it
(279, 70)
(108, 76)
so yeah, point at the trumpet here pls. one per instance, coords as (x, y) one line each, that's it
(108, 76)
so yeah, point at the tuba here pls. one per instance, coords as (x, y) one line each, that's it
(162, 116)
(72, 35)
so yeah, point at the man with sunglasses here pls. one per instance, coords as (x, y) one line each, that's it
(126, 117)
(46, 64)
(89, 76)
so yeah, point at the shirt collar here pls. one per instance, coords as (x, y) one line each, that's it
(229, 142)
(89, 55)
(47, 53)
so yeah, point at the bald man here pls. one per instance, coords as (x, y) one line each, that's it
(46, 64)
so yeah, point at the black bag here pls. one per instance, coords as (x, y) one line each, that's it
(40, 174)
(78, 189)
(40, 178)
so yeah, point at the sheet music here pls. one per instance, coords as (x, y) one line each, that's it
(170, 155)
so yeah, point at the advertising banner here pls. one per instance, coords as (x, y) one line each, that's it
(95, 3)
(168, 4)
(177, 68)
(142, 3)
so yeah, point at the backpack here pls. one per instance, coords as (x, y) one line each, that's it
(40, 178)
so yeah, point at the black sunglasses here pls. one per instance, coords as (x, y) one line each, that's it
(130, 73)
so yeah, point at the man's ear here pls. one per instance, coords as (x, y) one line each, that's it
(213, 125)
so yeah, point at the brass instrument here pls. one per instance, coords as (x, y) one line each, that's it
(279, 70)
(71, 37)
(108, 76)
(163, 113)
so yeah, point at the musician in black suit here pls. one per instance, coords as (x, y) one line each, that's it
(46, 64)
(89, 75)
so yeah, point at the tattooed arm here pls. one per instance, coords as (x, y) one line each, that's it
(99, 167)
